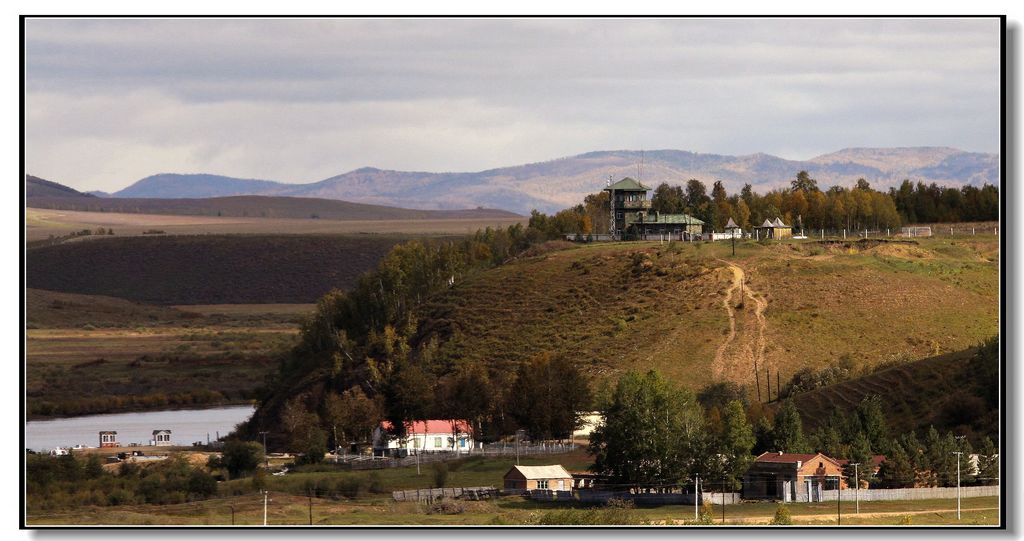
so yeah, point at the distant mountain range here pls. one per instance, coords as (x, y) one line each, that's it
(46, 194)
(560, 183)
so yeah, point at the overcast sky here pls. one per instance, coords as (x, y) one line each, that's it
(108, 102)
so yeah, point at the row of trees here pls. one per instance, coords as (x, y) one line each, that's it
(920, 203)
(544, 397)
(803, 204)
(657, 434)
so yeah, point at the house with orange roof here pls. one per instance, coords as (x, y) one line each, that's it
(792, 477)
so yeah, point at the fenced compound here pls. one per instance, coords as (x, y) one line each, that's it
(428, 495)
(892, 494)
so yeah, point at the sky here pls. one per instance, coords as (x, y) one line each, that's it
(108, 102)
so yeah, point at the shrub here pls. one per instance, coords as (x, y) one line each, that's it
(440, 474)
(446, 507)
(375, 484)
(348, 486)
(782, 516)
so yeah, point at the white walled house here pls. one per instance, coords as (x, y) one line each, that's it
(434, 436)
(161, 438)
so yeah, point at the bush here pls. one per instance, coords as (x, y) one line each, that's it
(241, 457)
(446, 507)
(782, 516)
(202, 484)
(348, 486)
(440, 474)
(375, 484)
(707, 513)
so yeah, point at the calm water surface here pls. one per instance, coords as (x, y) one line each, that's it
(186, 426)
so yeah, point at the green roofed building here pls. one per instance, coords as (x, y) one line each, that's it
(632, 218)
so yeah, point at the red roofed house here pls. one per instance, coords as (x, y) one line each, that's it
(450, 436)
(791, 477)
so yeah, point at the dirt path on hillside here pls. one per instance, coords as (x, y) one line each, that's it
(737, 359)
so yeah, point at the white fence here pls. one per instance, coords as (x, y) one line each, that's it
(889, 494)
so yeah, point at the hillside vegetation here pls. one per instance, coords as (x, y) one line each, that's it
(641, 305)
(464, 319)
(207, 269)
(958, 392)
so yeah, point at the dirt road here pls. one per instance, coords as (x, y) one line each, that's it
(741, 354)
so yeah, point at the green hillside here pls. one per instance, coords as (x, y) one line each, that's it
(957, 392)
(694, 312)
(645, 305)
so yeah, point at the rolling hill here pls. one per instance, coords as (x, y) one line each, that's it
(699, 315)
(800, 305)
(559, 183)
(38, 187)
(207, 269)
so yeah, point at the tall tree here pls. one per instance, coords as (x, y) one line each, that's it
(696, 195)
(988, 463)
(650, 432)
(736, 441)
(897, 471)
(549, 396)
(804, 183)
(787, 429)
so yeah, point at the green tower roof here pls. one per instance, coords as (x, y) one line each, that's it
(628, 184)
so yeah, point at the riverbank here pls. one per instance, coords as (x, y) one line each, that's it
(186, 425)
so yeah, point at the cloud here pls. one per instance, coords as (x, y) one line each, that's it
(110, 101)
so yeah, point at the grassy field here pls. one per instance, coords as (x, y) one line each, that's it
(372, 503)
(92, 354)
(41, 223)
(290, 509)
(207, 269)
(617, 306)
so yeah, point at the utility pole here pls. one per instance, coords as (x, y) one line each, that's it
(839, 500)
(232, 514)
(958, 453)
(266, 457)
(310, 509)
(856, 475)
(696, 496)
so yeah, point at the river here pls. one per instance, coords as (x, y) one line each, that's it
(186, 426)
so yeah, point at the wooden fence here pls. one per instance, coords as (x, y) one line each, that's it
(427, 495)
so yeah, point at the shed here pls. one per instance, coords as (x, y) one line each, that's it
(108, 438)
(553, 477)
(774, 229)
(161, 437)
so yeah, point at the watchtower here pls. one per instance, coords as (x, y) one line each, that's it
(627, 196)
